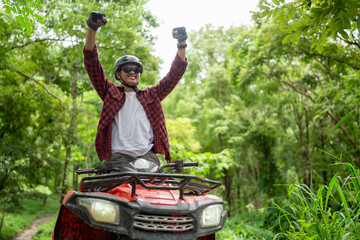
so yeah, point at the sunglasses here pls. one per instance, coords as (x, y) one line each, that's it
(129, 69)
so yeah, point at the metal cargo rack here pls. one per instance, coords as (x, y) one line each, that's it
(186, 184)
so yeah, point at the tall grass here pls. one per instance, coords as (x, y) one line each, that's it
(332, 212)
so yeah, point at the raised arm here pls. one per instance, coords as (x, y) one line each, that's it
(90, 39)
(91, 57)
(178, 66)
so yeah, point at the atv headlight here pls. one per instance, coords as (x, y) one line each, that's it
(211, 215)
(101, 210)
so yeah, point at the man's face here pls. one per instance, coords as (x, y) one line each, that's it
(128, 74)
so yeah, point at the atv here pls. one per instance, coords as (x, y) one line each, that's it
(141, 205)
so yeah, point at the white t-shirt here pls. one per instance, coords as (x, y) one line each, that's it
(131, 133)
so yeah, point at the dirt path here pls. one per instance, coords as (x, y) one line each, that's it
(28, 234)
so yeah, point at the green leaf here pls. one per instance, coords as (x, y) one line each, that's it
(8, 9)
(287, 39)
(353, 27)
(343, 200)
(276, 2)
(296, 36)
(330, 188)
(344, 34)
(338, 158)
(342, 120)
(320, 48)
(312, 31)
(279, 16)
(291, 13)
(298, 24)
(287, 30)
(275, 12)
(269, 15)
(355, 179)
(304, 21)
(346, 22)
(39, 18)
(334, 35)
(264, 13)
(282, 23)
(266, 8)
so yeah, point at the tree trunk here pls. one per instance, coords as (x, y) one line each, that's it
(303, 139)
(88, 153)
(75, 177)
(306, 149)
(66, 166)
(71, 130)
(4, 210)
(46, 183)
(228, 187)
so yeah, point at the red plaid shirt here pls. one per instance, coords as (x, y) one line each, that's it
(113, 97)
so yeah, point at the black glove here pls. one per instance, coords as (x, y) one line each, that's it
(179, 33)
(96, 20)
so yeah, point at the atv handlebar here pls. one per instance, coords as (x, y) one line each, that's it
(178, 166)
(87, 171)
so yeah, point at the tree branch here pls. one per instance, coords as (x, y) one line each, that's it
(313, 55)
(35, 41)
(336, 119)
(349, 42)
(293, 87)
(39, 83)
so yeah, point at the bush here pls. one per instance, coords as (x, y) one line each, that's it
(31, 208)
(246, 226)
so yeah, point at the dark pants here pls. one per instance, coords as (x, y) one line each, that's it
(125, 163)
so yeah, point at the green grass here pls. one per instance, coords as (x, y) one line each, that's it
(30, 209)
(45, 230)
(247, 226)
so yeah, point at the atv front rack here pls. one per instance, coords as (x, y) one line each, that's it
(186, 184)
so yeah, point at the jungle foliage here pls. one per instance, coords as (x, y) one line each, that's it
(269, 109)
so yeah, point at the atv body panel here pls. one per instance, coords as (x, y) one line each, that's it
(151, 206)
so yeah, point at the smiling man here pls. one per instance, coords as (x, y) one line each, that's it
(131, 128)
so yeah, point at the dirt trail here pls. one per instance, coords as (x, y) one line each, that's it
(29, 233)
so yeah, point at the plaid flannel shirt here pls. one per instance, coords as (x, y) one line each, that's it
(113, 97)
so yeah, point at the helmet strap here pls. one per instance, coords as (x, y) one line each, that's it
(127, 85)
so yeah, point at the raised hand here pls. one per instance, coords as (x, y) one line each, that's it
(179, 33)
(96, 20)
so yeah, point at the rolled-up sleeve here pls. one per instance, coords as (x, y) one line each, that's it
(95, 71)
(172, 78)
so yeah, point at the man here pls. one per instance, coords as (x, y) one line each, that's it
(132, 127)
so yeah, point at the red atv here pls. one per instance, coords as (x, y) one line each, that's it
(138, 205)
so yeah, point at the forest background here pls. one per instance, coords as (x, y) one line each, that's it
(270, 110)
